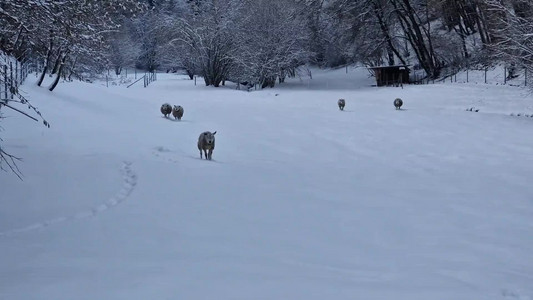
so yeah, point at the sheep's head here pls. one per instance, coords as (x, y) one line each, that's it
(209, 137)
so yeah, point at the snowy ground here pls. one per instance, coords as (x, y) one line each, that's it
(301, 201)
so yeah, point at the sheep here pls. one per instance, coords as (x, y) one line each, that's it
(398, 103)
(206, 141)
(166, 109)
(177, 112)
(341, 104)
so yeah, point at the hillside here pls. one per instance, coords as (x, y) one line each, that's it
(301, 200)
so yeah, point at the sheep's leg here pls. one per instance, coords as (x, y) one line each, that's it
(201, 154)
(210, 153)
(205, 153)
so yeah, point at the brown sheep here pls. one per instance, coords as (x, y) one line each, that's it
(177, 112)
(166, 109)
(398, 103)
(206, 142)
(341, 103)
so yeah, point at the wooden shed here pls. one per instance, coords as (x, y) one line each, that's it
(391, 75)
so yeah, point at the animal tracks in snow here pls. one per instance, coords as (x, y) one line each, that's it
(512, 295)
(129, 181)
(162, 152)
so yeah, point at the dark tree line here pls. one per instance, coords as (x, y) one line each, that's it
(262, 41)
(64, 38)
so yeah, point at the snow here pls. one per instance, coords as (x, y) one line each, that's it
(301, 200)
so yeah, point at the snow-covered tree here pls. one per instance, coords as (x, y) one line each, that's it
(58, 31)
(515, 33)
(209, 33)
(273, 41)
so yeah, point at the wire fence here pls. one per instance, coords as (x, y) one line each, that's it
(147, 78)
(12, 76)
(500, 75)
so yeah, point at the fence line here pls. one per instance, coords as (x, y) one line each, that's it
(147, 79)
(515, 78)
(12, 76)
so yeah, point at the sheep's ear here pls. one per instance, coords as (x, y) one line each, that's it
(214, 133)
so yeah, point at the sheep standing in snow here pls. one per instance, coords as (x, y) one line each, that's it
(166, 109)
(177, 112)
(398, 103)
(341, 104)
(206, 142)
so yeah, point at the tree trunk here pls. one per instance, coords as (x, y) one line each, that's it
(268, 82)
(58, 75)
(281, 77)
(190, 73)
(378, 11)
(411, 26)
(47, 61)
(57, 62)
(71, 69)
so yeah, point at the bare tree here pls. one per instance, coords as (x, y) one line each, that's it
(273, 41)
(7, 160)
(123, 50)
(515, 34)
(209, 33)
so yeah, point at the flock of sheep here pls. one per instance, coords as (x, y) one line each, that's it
(206, 140)
(397, 103)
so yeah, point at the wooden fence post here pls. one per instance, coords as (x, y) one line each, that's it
(21, 73)
(11, 79)
(505, 75)
(5, 82)
(16, 74)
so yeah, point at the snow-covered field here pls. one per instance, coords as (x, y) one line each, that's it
(301, 200)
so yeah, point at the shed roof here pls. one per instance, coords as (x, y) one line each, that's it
(389, 67)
